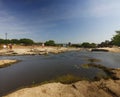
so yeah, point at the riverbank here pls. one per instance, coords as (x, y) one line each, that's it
(35, 50)
(102, 88)
(39, 50)
(4, 63)
(108, 49)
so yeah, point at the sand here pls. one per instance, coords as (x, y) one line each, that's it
(103, 88)
(35, 50)
(39, 50)
(7, 62)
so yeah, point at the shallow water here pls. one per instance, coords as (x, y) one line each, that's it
(36, 69)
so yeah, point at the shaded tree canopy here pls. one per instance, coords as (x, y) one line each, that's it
(50, 43)
(24, 41)
(16, 41)
(116, 39)
(88, 45)
(107, 43)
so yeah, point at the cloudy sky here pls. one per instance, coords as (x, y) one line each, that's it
(64, 21)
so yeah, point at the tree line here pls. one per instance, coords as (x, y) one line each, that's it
(115, 40)
(23, 41)
(26, 41)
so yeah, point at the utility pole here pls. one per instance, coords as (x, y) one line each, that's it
(6, 36)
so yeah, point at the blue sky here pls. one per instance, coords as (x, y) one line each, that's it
(64, 21)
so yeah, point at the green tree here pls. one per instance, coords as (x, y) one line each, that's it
(93, 45)
(88, 45)
(116, 39)
(107, 43)
(16, 41)
(26, 41)
(50, 43)
(7, 41)
(2, 41)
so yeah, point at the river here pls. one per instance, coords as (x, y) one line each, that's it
(36, 69)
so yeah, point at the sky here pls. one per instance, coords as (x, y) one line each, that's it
(64, 21)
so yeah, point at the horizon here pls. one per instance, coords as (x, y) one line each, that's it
(63, 21)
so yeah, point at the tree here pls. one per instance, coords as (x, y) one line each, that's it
(16, 41)
(116, 39)
(92, 45)
(76, 45)
(107, 43)
(88, 45)
(2, 41)
(26, 41)
(50, 43)
(7, 41)
(69, 43)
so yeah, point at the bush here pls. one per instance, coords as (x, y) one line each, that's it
(88, 45)
(26, 41)
(50, 43)
(15, 41)
(116, 39)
